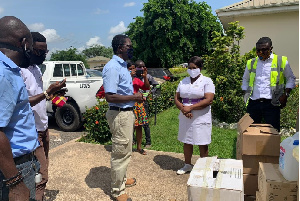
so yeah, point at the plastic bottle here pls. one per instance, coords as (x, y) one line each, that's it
(288, 165)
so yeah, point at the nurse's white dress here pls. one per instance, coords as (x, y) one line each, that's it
(197, 130)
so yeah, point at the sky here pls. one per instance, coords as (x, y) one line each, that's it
(80, 24)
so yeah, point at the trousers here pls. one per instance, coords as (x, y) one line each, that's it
(121, 124)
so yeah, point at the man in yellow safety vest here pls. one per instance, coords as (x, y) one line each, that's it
(267, 82)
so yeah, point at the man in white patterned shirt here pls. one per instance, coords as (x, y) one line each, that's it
(267, 82)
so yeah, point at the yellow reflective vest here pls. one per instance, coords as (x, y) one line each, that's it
(277, 81)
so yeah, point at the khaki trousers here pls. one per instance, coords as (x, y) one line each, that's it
(121, 125)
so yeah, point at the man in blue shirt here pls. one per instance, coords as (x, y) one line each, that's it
(118, 88)
(18, 136)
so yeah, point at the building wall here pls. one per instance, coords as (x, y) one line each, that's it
(282, 28)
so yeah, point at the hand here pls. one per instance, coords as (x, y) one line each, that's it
(138, 97)
(145, 72)
(186, 109)
(20, 192)
(56, 86)
(189, 115)
(283, 101)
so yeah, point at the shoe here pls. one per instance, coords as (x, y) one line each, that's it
(142, 151)
(186, 168)
(130, 182)
(147, 146)
(123, 197)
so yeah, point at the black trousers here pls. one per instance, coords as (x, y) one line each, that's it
(263, 109)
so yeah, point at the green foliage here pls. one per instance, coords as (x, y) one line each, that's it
(225, 67)
(172, 31)
(96, 124)
(177, 70)
(290, 112)
(98, 50)
(68, 55)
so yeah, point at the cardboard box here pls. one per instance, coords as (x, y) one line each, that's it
(250, 184)
(272, 185)
(257, 139)
(251, 163)
(215, 179)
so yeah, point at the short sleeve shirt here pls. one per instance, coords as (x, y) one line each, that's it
(138, 84)
(117, 80)
(16, 116)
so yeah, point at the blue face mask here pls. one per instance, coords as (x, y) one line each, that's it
(130, 53)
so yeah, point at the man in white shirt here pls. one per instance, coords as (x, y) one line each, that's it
(32, 77)
(267, 82)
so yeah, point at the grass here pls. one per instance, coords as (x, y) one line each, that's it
(164, 136)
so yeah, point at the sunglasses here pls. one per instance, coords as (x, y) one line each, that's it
(39, 52)
(129, 46)
(263, 50)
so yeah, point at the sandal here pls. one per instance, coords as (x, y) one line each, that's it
(142, 151)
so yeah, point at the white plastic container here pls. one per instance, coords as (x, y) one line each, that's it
(288, 165)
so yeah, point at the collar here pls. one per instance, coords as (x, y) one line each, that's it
(120, 60)
(7, 61)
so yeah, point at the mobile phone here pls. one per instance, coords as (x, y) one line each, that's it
(139, 72)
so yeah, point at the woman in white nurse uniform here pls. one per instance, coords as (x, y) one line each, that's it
(193, 98)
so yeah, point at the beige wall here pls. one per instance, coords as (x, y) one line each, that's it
(282, 28)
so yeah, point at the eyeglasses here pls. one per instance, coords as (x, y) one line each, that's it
(39, 52)
(129, 46)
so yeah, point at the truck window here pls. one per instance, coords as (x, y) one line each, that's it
(67, 70)
(73, 70)
(58, 71)
(80, 69)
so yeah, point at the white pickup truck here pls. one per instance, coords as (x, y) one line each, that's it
(81, 93)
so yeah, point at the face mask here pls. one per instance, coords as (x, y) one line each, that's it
(37, 59)
(194, 72)
(130, 53)
(25, 63)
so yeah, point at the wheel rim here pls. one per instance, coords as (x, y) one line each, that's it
(68, 117)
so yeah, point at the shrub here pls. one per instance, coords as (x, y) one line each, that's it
(96, 124)
(290, 112)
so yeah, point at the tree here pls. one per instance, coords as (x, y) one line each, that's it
(98, 50)
(225, 67)
(172, 31)
(68, 55)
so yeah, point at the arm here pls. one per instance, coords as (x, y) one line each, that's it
(146, 81)
(117, 98)
(208, 99)
(290, 84)
(246, 78)
(178, 101)
(9, 170)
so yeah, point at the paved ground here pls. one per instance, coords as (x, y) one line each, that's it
(81, 171)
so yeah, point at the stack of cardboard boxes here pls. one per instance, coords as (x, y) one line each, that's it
(255, 143)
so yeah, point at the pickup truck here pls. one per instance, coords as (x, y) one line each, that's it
(81, 94)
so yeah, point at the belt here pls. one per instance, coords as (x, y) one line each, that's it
(120, 109)
(191, 101)
(262, 100)
(23, 159)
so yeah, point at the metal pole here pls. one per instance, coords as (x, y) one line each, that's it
(155, 110)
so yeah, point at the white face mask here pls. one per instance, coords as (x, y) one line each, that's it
(194, 72)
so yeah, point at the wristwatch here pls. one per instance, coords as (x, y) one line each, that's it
(47, 96)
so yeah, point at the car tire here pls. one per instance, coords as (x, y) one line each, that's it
(68, 117)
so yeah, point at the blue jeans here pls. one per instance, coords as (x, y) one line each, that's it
(28, 169)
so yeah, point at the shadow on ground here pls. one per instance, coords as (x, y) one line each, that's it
(168, 162)
(99, 177)
(51, 194)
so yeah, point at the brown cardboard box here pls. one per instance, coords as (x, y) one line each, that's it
(257, 139)
(227, 185)
(250, 184)
(272, 185)
(250, 163)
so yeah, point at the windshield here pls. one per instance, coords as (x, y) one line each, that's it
(94, 73)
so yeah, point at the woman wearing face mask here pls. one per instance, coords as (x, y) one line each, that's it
(193, 98)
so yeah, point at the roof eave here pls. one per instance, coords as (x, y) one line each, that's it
(257, 10)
